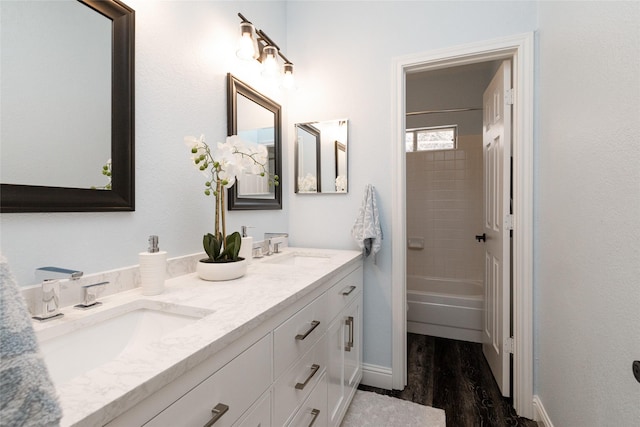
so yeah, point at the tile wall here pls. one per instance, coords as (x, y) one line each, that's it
(444, 207)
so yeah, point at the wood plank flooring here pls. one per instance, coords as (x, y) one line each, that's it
(454, 376)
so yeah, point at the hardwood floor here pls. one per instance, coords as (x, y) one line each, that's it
(454, 376)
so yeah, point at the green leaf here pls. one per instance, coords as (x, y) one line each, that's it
(232, 246)
(212, 246)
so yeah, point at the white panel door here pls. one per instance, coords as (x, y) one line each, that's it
(497, 182)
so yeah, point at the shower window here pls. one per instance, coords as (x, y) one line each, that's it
(431, 138)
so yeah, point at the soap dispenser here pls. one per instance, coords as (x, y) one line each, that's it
(246, 247)
(153, 268)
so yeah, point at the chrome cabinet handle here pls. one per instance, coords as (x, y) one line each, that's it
(314, 369)
(314, 414)
(314, 325)
(349, 323)
(218, 411)
(351, 289)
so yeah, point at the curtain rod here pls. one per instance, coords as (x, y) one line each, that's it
(450, 110)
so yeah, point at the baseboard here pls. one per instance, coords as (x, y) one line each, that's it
(377, 376)
(540, 414)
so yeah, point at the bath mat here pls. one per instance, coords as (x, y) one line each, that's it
(370, 409)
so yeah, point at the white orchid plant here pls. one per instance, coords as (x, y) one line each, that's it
(222, 164)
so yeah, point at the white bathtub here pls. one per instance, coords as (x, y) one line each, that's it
(446, 308)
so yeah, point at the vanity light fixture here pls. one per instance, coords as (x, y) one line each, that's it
(256, 44)
(269, 62)
(247, 45)
(288, 81)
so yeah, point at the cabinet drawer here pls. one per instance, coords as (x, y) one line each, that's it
(293, 387)
(259, 415)
(343, 292)
(299, 333)
(236, 386)
(313, 411)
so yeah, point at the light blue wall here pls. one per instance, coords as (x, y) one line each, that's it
(344, 52)
(183, 52)
(587, 196)
(587, 213)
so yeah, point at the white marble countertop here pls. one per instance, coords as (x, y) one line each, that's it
(240, 305)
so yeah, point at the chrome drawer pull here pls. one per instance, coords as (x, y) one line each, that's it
(218, 411)
(349, 323)
(314, 414)
(351, 289)
(314, 369)
(314, 325)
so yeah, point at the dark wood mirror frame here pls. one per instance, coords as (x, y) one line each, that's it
(29, 198)
(235, 87)
(312, 130)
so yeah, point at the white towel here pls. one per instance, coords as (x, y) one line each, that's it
(28, 397)
(366, 229)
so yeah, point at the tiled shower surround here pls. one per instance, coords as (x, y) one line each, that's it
(444, 206)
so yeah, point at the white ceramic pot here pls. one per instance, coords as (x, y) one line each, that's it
(218, 271)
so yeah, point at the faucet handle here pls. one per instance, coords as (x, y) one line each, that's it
(90, 294)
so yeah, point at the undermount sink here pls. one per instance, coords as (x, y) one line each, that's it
(75, 347)
(298, 259)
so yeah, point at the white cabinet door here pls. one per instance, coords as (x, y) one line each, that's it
(353, 347)
(344, 369)
(335, 369)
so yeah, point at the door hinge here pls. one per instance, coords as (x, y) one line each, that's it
(509, 96)
(509, 345)
(508, 222)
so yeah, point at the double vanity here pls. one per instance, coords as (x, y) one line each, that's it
(280, 346)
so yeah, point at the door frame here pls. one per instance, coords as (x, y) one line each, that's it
(519, 48)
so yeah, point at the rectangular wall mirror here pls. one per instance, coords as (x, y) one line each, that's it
(321, 164)
(67, 106)
(254, 118)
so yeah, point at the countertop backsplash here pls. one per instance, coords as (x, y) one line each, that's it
(120, 280)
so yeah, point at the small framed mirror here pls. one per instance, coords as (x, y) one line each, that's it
(255, 118)
(66, 122)
(307, 155)
(321, 157)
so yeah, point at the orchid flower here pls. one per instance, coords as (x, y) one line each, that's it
(223, 163)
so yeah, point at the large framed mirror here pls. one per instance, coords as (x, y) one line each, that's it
(67, 106)
(321, 152)
(255, 118)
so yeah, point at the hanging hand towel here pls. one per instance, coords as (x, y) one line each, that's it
(28, 397)
(366, 229)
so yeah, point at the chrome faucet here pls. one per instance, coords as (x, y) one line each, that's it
(90, 295)
(48, 307)
(274, 247)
